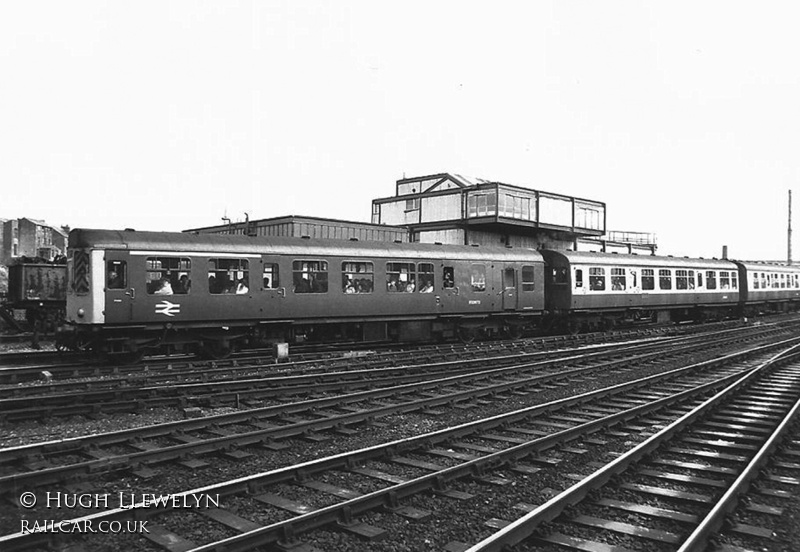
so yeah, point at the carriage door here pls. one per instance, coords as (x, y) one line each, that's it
(509, 288)
(119, 293)
(274, 289)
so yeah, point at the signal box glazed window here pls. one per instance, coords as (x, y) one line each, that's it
(310, 276)
(478, 277)
(116, 275)
(648, 279)
(426, 278)
(168, 275)
(711, 279)
(271, 276)
(528, 278)
(228, 276)
(401, 278)
(357, 277)
(618, 279)
(664, 278)
(597, 278)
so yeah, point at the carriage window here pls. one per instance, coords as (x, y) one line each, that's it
(691, 279)
(558, 276)
(681, 279)
(478, 277)
(228, 276)
(756, 281)
(425, 275)
(271, 280)
(168, 275)
(783, 280)
(527, 278)
(357, 277)
(310, 276)
(724, 279)
(711, 279)
(648, 279)
(775, 283)
(665, 278)
(734, 280)
(699, 279)
(578, 277)
(400, 277)
(448, 278)
(618, 279)
(597, 278)
(116, 274)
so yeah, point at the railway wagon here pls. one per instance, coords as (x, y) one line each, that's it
(768, 287)
(39, 288)
(133, 291)
(587, 290)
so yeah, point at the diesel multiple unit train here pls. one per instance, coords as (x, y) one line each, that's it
(130, 292)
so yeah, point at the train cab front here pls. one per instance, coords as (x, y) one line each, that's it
(85, 310)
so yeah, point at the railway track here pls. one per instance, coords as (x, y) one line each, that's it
(268, 425)
(674, 490)
(347, 489)
(130, 394)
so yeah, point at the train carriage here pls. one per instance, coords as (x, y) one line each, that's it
(601, 289)
(769, 287)
(130, 291)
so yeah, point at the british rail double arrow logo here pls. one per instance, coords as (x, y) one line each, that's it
(167, 308)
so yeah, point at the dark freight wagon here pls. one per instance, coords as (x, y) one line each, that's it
(39, 289)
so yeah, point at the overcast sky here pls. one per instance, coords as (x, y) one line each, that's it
(682, 116)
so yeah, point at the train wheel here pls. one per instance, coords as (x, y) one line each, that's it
(467, 334)
(217, 350)
(513, 331)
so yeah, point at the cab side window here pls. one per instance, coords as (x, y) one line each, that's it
(116, 274)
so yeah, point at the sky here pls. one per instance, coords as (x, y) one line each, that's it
(683, 117)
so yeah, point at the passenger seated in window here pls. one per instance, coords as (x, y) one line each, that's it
(617, 286)
(349, 287)
(183, 285)
(266, 282)
(410, 287)
(163, 287)
(427, 287)
(302, 286)
(241, 287)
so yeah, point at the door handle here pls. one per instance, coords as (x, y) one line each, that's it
(131, 292)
